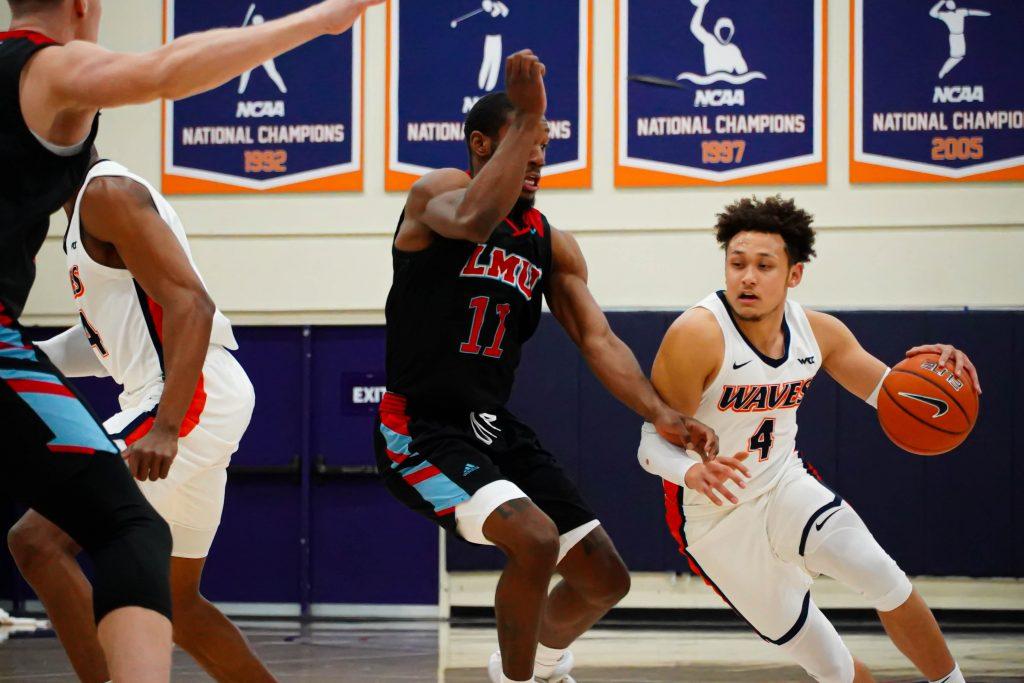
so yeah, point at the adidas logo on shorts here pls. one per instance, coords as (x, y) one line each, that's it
(469, 469)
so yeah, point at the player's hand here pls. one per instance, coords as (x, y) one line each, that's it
(948, 352)
(524, 83)
(710, 476)
(337, 16)
(150, 457)
(688, 433)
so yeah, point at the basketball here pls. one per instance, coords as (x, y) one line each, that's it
(926, 409)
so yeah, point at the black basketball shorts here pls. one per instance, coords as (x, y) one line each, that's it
(433, 464)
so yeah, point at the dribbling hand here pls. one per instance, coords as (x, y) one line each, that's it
(524, 83)
(710, 476)
(946, 353)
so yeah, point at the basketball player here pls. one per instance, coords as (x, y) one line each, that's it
(472, 259)
(741, 360)
(147, 322)
(57, 458)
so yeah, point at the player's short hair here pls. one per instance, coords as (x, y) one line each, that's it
(24, 6)
(488, 115)
(773, 215)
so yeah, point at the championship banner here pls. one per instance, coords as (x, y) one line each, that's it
(444, 56)
(937, 93)
(292, 124)
(720, 92)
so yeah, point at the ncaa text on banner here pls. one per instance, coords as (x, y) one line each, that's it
(292, 124)
(936, 90)
(715, 92)
(444, 56)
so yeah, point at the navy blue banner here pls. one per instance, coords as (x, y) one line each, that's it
(937, 89)
(444, 56)
(291, 124)
(713, 91)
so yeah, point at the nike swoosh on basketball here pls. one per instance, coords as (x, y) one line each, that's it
(736, 366)
(817, 527)
(941, 407)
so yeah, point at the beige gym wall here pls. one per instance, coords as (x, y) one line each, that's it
(325, 258)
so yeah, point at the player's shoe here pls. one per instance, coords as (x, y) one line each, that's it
(559, 675)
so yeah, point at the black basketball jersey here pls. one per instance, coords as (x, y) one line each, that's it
(458, 314)
(36, 182)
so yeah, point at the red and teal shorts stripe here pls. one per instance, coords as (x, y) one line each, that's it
(433, 485)
(46, 392)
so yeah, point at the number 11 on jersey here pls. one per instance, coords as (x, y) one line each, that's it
(479, 305)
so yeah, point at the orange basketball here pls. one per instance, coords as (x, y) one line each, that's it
(926, 409)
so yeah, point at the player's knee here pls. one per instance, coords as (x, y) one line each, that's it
(32, 547)
(535, 543)
(611, 585)
(851, 555)
(133, 563)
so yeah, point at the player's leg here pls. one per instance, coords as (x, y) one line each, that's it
(61, 463)
(845, 550)
(594, 580)
(45, 556)
(529, 540)
(194, 513)
(102, 509)
(437, 468)
(833, 540)
(205, 633)
(819, 649)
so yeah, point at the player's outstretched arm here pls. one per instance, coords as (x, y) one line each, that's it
(978, 13)
(858, 371)
(120, 211)
(844, 358)
(85, 76)
(451, 204)
(71, 353)
(608, 357)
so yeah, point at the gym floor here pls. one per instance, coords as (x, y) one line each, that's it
(425, 651)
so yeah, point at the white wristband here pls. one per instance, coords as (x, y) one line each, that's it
(872, 400)
(661, 458)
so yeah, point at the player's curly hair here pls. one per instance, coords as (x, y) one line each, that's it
(772, 215)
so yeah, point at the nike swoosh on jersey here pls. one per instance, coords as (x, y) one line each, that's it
(817, 527)
(941, 407)
(737, 367)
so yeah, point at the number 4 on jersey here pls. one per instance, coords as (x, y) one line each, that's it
(93, 336)
(763, 439)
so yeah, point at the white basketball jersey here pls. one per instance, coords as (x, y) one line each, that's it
(752, 402)
(124, 325)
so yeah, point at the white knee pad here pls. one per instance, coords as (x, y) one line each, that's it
(471, 514)
(844, 549)
(820, 651)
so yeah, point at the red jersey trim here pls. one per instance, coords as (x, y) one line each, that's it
(34, 37)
